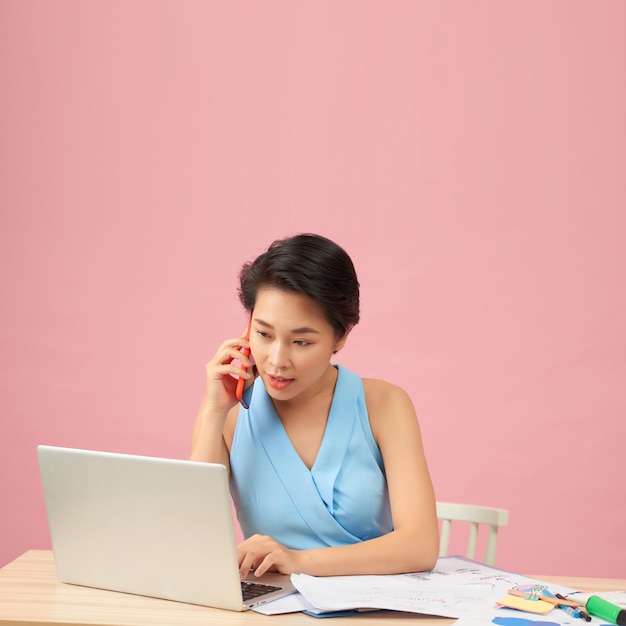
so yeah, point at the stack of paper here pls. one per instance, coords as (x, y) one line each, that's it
(452, 589)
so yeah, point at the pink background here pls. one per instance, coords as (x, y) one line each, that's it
(470, 156)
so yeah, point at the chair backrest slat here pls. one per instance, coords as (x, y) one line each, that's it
(476, 515)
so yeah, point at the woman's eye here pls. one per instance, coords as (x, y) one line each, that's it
(301, 342)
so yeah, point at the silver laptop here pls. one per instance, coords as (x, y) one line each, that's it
(148, 526)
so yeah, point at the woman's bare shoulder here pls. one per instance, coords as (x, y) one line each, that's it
(387, 404)
(379, 392)
(391, 415)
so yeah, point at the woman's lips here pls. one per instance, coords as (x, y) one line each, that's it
(278, 382)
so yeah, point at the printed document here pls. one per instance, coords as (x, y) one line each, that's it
(451, 589)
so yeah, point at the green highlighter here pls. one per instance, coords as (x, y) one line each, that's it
(606, 610)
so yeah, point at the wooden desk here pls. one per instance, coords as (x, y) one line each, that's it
(31, 595)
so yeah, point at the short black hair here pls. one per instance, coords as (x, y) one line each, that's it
(310, 265)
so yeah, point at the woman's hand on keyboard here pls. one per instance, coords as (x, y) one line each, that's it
(262, 554)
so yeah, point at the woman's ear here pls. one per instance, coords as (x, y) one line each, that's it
(342, 341)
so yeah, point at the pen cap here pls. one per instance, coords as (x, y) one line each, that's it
(606, 610)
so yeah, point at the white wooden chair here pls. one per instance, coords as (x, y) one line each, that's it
(450, 512)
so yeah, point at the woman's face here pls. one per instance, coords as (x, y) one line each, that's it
(292, 344)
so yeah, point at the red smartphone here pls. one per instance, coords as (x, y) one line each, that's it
(242, 381)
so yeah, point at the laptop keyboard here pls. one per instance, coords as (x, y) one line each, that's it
(254, 590)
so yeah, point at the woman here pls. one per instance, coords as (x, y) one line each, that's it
(327, 470)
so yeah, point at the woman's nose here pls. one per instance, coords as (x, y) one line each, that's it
(278, 356)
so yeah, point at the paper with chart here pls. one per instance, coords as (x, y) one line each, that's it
(451, 589)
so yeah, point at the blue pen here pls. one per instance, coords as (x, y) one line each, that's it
(581, 613)
(570, 610)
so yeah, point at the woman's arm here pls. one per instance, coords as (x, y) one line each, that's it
(413, 545)
(396, 430)
(207, 442)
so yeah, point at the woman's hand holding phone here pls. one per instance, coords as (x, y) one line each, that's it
(227, 372)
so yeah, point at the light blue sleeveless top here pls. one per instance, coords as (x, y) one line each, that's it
(343, 499)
